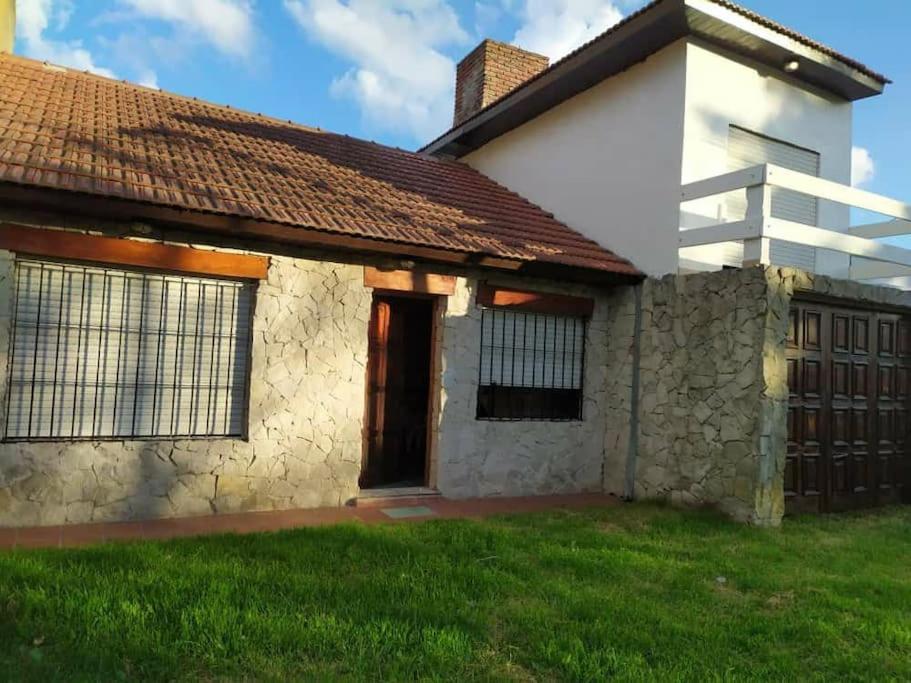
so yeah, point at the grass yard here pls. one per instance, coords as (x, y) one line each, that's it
(631, 593)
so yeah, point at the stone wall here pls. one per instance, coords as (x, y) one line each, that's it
(306, 412)
(305, 419)
(488, 458)
(785, 283)
(713, 400)
(713, 394)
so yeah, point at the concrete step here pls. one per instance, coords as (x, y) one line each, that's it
(375, 498)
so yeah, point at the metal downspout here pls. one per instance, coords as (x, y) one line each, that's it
(629, 490)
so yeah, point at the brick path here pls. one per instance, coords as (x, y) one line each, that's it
(87, 534)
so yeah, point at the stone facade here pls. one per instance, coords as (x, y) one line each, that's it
(306, 416)
(785, 283)
(305, 419)
(712, 404)
(488, 458)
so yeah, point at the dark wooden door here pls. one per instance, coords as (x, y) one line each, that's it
(848, 374)
(377, 375)
(398, 371)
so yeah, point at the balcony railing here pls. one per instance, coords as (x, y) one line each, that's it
(870, 259)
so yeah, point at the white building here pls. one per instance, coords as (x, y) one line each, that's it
(610, 137)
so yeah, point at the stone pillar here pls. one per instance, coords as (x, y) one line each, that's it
(773, 404)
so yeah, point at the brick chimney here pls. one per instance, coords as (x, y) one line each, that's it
(490, 71)
(7, 25)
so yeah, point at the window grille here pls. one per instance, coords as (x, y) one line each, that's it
(531, 366)
(99, 353)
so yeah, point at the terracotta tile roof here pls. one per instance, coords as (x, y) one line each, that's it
(69, 130)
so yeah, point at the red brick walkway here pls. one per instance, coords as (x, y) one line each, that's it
(87, 534)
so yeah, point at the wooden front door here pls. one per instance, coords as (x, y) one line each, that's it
(848, 372)
(398, 392)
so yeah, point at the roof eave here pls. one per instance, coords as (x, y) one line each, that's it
(726, 28)
(634, 41)
(50, 202)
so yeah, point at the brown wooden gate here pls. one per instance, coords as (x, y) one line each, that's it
(849, 373)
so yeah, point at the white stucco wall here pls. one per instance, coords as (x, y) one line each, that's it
(610, 161)
(607, 162)
(724, 90)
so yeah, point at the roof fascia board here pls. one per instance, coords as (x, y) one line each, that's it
(713, 22)
(244, 229)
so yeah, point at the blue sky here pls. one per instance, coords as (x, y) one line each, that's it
(383, 69)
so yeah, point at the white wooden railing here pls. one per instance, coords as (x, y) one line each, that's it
(870, 259)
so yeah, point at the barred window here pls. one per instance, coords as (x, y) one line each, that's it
(531, 366)
(103, 353)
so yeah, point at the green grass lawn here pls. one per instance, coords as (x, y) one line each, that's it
(632, 592)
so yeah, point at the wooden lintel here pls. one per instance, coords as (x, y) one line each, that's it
(500, 263)
(493, 296)
(409, 281)
(127, 252)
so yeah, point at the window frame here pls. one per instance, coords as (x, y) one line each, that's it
(492, 300)
(247, 340)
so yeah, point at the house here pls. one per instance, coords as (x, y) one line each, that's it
(696, 136)
(205, 310)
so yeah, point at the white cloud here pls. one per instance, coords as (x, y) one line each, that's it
(135, 54)
(557, 27)
(35, 18)
(486, 15)
(862, 167)
(226, 24)
(148, 78)
(400, 79)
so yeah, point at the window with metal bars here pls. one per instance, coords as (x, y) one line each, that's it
(99, 353)
(531, 366)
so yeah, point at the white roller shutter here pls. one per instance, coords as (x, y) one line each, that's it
(104, 353)
(750, 149)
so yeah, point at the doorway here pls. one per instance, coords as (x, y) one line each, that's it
(398, 392)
